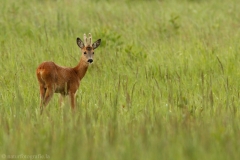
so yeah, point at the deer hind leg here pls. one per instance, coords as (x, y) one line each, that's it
(47, 97)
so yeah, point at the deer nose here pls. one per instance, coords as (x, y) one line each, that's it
(90, 60)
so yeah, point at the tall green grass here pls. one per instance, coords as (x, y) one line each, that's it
(164, 83)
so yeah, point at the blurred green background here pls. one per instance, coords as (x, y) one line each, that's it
(164, 83)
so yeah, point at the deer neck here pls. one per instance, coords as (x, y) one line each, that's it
(81, 68)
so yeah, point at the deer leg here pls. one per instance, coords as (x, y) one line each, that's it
(72, 98)
(48, 95)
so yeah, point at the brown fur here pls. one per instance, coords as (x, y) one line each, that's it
(53, 78)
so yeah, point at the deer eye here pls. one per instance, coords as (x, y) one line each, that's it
(92, 52)
(85, 52)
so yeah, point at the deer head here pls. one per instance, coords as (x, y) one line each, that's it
(88, 47)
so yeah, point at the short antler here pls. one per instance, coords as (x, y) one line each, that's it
(85, 39)
(90, 39)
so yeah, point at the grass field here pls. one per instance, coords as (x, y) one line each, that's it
(164, 83)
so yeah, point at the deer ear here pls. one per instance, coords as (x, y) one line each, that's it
(80, 43)
(96, 44)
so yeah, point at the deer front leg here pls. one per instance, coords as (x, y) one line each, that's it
(72, 98)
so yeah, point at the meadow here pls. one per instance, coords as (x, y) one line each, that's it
(164, 83)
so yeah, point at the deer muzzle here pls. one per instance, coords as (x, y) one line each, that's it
(90, 61)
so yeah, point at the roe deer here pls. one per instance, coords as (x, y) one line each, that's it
(53, 78)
